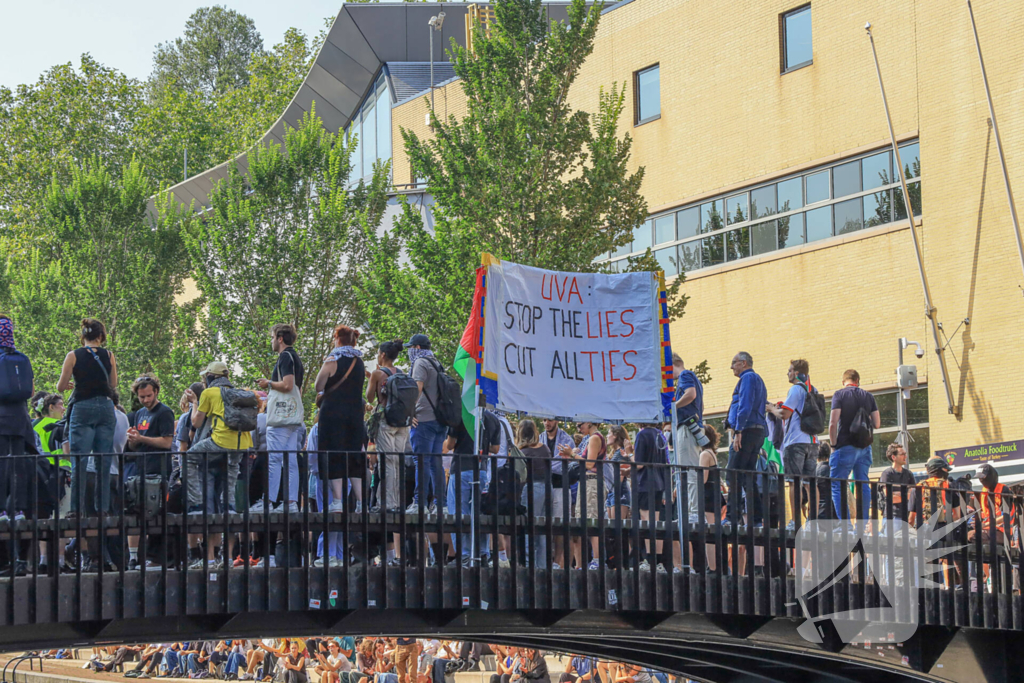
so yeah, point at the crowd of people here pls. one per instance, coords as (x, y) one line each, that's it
(386, 439)
(355, 660)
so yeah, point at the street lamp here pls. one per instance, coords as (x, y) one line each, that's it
(906, 379)
(435, 24)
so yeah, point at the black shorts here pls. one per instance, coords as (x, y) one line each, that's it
(648, 500)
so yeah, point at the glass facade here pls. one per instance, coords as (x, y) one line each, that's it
(818, 204)
(371, 128)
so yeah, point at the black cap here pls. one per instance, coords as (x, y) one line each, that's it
(986, 471)
(420, 340)
(936, 464)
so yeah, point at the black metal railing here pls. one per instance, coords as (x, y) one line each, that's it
(495, 534)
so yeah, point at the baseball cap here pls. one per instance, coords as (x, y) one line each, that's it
(420, 340)
(936, 464)
(215, 368)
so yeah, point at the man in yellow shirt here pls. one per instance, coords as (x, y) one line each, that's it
(215, 438)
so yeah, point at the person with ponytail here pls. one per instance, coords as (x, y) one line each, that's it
(94, 371)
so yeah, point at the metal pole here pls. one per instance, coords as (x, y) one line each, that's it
(186, 164)
(431, 29)
(929, 309)
(479, 413)
(999, 141)
(902, 437)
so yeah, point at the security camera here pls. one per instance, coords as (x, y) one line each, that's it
(919, 352)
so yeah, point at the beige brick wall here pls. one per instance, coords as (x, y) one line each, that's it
(729, 117)
(449, 100)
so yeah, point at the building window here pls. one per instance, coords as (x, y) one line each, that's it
(796, 38)
(371, 130)
(647, 87)
(820, 203)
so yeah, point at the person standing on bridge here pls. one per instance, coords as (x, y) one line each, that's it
(428, 434)
(747, 426)
(284, 419)
(340, 381)
(689, 400)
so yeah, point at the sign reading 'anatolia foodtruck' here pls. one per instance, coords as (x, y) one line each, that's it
(988, 452)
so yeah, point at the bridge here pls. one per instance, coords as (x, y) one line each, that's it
(739, 625)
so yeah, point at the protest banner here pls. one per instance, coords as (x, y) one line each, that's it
(573, 346)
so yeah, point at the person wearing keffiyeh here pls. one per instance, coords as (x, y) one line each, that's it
(16, 435)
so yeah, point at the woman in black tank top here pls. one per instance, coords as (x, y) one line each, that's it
(340, 384)
(709, 462)
(94, 371)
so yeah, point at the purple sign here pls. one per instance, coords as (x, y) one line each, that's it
(989, 452)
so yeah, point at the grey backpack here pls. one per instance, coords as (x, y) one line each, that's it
(240, 408)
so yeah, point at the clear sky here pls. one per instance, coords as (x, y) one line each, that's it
(38, 34)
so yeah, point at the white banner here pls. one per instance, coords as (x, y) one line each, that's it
(574, 345)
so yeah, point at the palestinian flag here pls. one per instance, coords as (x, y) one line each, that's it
(468, 357)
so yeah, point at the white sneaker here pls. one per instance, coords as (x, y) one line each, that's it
(661, 569)
(359, 506)
(293, 508)
(555, 565)
(645, 566)
(257, 509)
(336, 506)
(197, 564)
(504, 564)
(413, 509)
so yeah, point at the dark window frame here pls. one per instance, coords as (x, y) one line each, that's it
(784, 68)
(637, 121)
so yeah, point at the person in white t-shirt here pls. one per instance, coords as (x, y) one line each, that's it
(799, 453)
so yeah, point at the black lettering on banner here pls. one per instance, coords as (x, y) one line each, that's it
(556, 364)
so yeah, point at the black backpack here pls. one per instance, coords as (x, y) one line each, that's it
(448, 409)
(862, 431)
(812, 417)
(400, 394)
(15, 377)
(144, 495)
(240, 408)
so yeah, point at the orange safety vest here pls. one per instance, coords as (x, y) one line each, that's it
(927, 505)
(995, 495)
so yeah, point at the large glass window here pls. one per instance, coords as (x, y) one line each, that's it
(816, 187)
(763, 238)
(819, 223)
(371, 129)
(762, 202)
(648, 94)
(667, 260)
(642, 237)
(843, 197)
(665, 229)
(846, 179)
(849, 216)
(688, 222)
(796, 38)
(791, 194)
(737, 208)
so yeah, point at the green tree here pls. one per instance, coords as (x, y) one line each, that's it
(211, 58)
(67, 117)
(273, 247)
(108, 261)
(522, 175)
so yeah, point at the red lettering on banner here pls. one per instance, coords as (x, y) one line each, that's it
(608, 324)
(598, 335)
(590, 354)
(629, 364)
(622, 317)
(574, 288)
(611, 366)
(543, 281)
(560, 290)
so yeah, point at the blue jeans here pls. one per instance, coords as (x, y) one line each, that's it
(466, 486)
(192, 663)
(844, 460)
(235, 660)
(171, 660)
(92, 431)
(428, 437)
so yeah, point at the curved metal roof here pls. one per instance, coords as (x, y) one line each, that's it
(361, 40)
